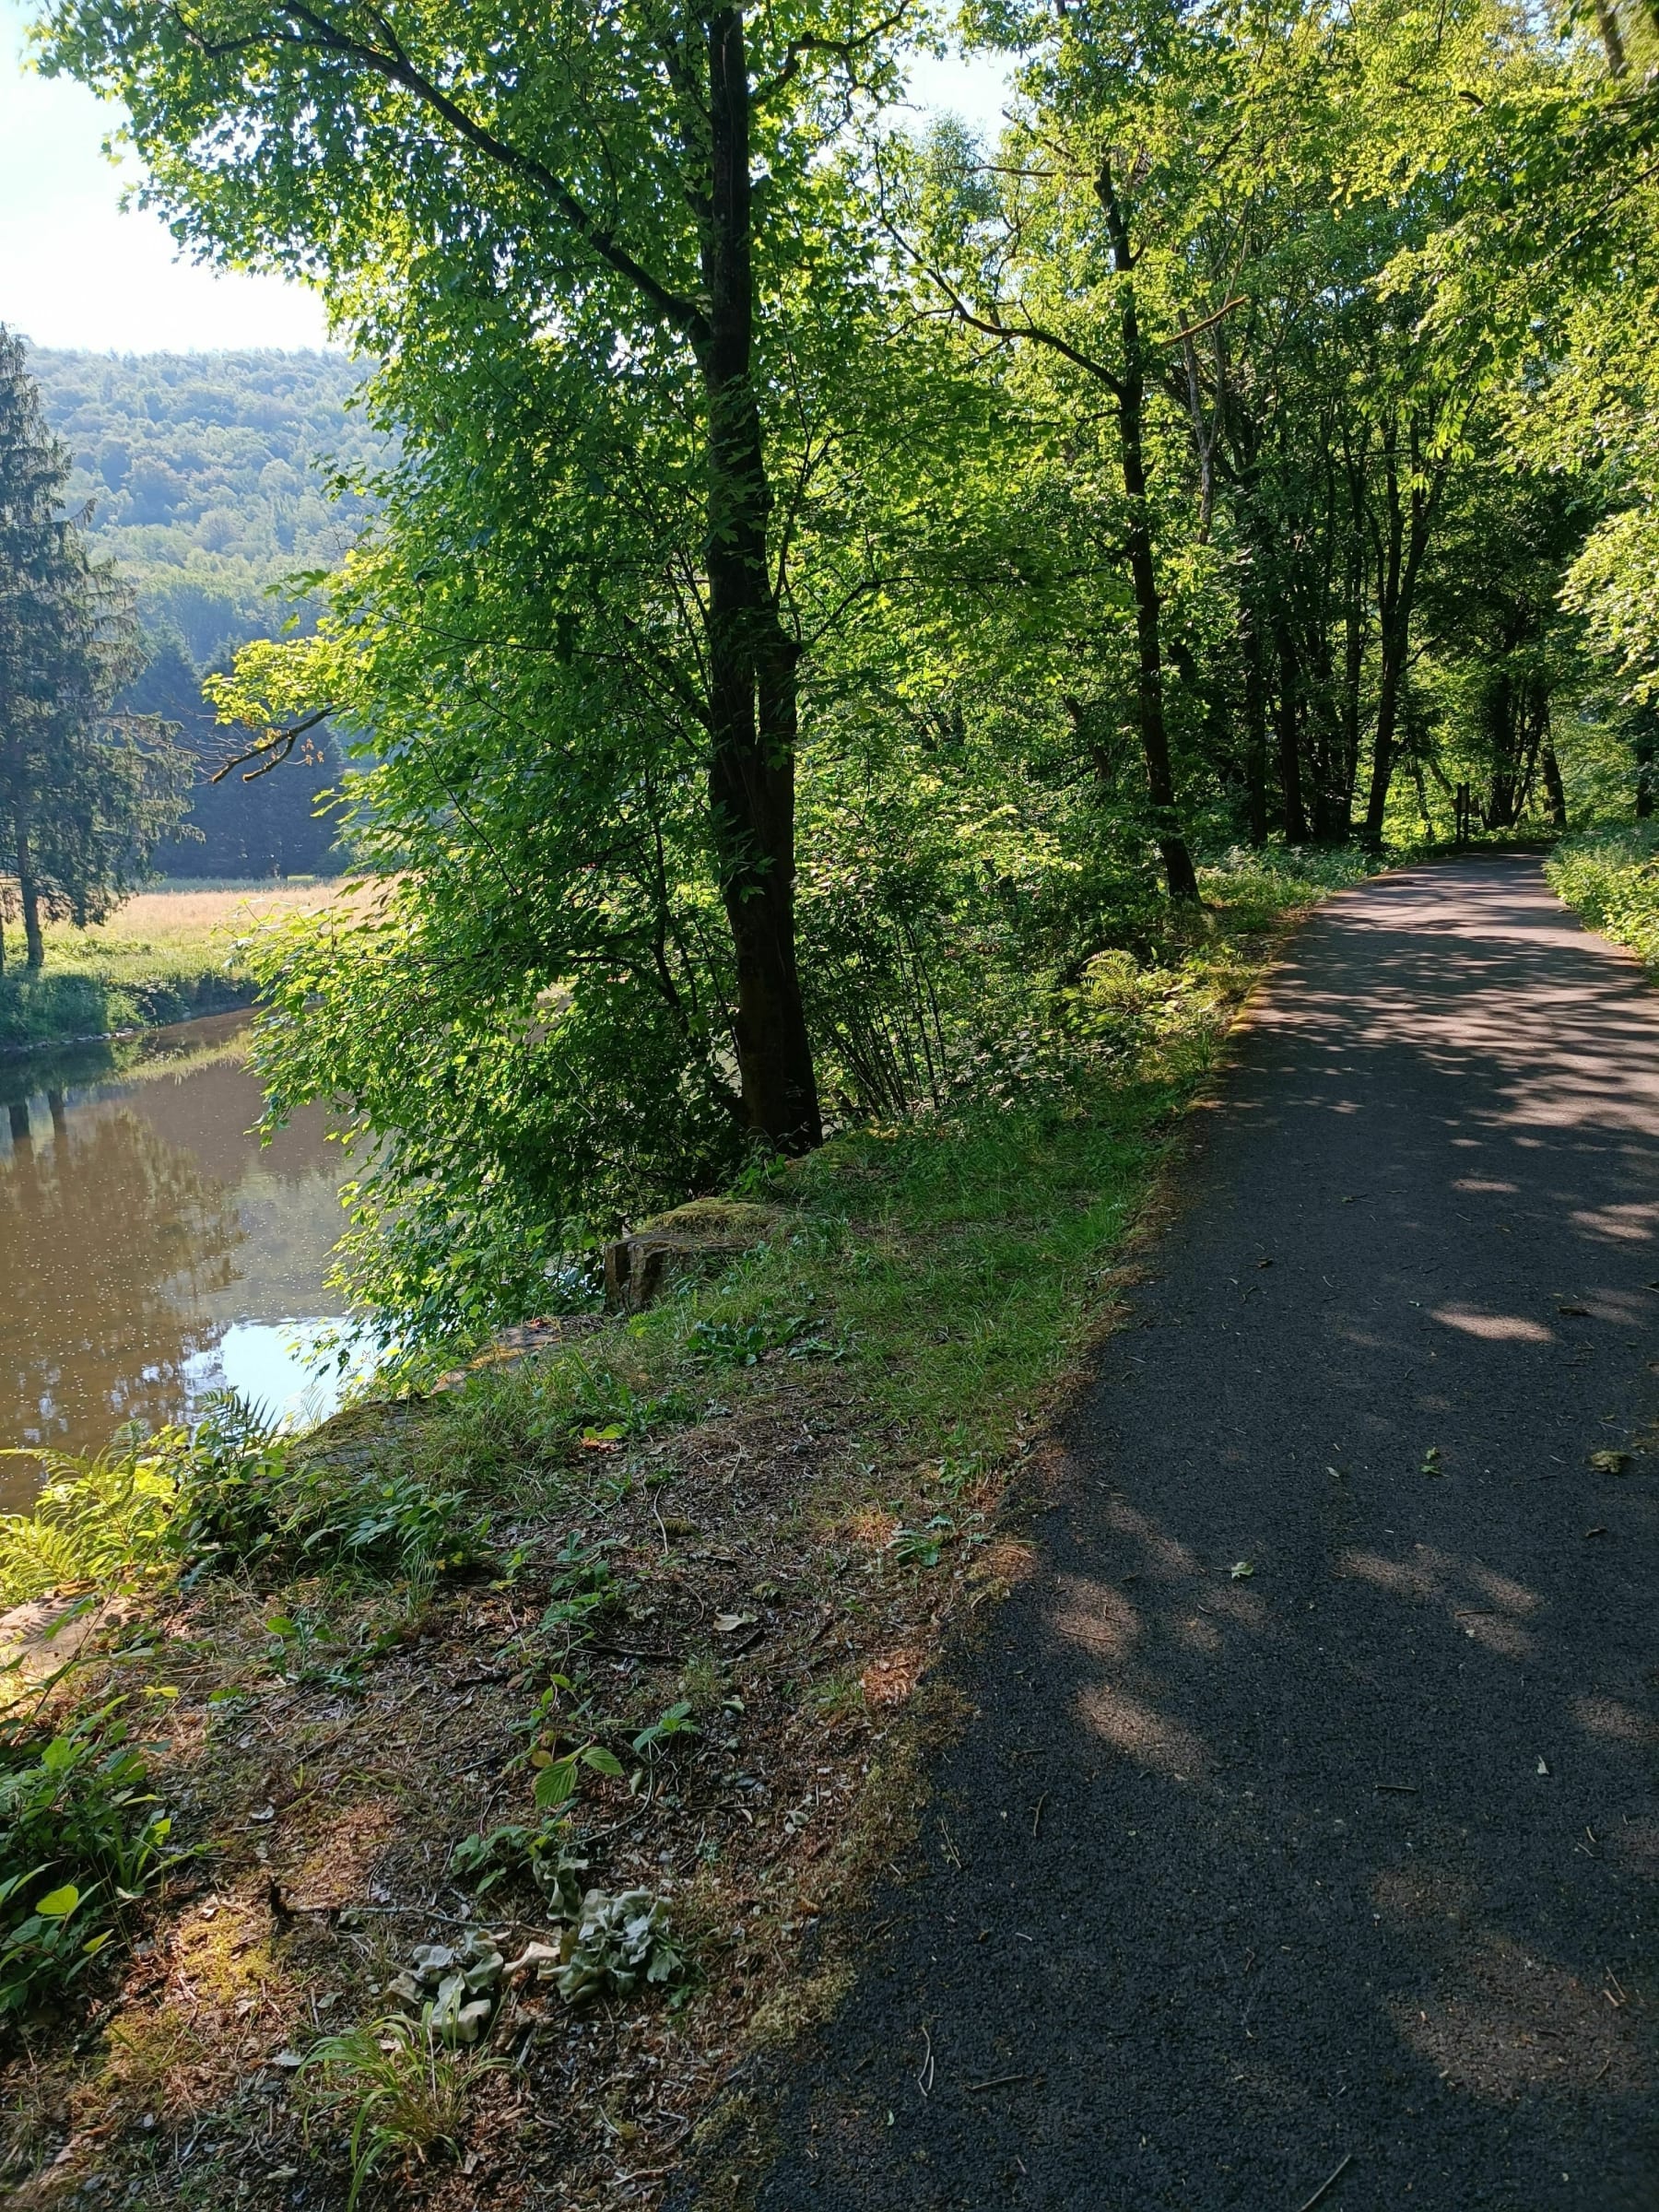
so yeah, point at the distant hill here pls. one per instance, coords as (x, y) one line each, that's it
(210, 477)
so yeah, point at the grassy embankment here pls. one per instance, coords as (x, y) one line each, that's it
(1611, 878)
(166, 955)
(724, 1541)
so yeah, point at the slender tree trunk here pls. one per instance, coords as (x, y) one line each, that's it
(1399, 565)
(1555, 791)
(751, 656)
(1500, 718)
(1131, 394)
(1645, 748)
(34, 943)
(1255, 733)
(1289, 753)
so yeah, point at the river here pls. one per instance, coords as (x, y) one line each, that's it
(151, 1250)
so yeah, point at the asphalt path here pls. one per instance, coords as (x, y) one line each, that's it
(1306, 1830)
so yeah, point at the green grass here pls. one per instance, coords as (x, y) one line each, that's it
(949, 1270)
(1611, 878)
(166, 955)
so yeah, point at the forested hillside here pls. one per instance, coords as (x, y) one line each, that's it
(213, 480)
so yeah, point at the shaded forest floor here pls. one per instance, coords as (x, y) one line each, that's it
(726, 1540)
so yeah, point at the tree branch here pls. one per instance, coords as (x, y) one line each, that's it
(273, 748)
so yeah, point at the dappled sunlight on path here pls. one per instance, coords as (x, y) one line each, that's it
(1308, 1811)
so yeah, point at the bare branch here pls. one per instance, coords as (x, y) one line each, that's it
(272, 749)
(843, 50)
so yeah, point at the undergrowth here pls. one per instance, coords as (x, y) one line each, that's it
(1611, 878)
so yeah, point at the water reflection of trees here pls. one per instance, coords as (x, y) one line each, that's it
(110, 1239)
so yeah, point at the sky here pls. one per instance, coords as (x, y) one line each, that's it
(78, 272)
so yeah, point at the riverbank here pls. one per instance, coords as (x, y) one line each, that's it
(165, 956)
(650, 1614)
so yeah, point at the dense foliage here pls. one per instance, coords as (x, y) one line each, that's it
(835, 580)
(218, 485)
(85, 794)
(213, 478)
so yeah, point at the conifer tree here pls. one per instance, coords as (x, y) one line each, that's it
(85, 796)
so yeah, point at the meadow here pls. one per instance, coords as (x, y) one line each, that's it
(168, 953)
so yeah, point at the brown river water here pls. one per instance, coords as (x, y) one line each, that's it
(151, 1251)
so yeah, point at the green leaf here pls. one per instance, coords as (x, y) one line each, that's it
(603, 1761)
(556, 1783)
(57, 1905)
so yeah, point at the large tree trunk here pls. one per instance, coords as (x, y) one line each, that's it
(751, 656)
(1131, 394)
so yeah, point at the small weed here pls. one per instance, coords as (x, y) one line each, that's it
(920, 1547)
(620, 1943)
(677, 1721)
(549, 1854)
(582, 1582)
(839, 1696)
(748, 1343)
(407, 2094)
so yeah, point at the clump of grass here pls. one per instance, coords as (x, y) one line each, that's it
(406, 2093)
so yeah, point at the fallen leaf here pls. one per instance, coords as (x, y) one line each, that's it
(1542, 1768)
(1609, 1463)
(1242, 1571)
(727, 1624)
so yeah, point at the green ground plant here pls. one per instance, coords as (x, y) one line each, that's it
(228, 1492)
(82, 1839)
(405, 2093)
(1610, 876)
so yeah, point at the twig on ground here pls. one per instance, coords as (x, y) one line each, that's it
(1036, 1815)
(1329, 2182)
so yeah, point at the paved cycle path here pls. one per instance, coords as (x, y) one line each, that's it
(1340, 1866)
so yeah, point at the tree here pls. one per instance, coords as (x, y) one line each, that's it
(649, 184)
(84, 797)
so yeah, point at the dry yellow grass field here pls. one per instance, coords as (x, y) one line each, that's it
(163, 956)
(169, 916)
